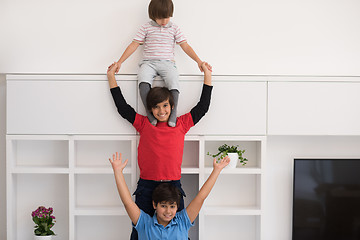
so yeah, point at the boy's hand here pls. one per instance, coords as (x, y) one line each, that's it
(208, 66)
(117, 163)
(118, 65)
(222, 163)
(112, 69)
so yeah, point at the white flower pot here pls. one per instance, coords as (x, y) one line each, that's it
(234, 158)
(43, 237)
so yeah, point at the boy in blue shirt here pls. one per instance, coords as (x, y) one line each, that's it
(166, 222)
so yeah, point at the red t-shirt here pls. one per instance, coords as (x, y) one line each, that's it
(161, 147)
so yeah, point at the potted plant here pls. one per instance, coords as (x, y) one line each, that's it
(44, 220)
(233, 152)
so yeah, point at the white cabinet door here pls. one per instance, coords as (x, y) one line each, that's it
(314, 108)
(235, 108)
(66, 107)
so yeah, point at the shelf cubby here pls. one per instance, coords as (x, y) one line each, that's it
(34, 190)
(104, 227)
(94, 191)
(236, 227)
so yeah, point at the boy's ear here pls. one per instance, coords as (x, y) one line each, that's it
(154, 205)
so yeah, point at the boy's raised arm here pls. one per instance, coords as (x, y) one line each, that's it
(191, 53)
(195, 205)
(127, 53)
(202, 106)
(111, 75)
(125, 110)
(131, 208)
(207, 73)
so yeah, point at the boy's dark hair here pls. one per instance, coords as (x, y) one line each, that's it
(157, 95)
(159, 9)
(166, 192)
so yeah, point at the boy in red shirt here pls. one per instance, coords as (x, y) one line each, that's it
(160, 147)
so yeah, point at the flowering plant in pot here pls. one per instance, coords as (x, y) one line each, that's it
(44, 221)
(232, 152)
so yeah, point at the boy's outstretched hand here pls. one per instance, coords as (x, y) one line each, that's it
(206, 68)
(202, 66)
(113, 68)
(117, 163)
(222, 163)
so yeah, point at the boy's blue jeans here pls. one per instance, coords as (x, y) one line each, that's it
(143, 198)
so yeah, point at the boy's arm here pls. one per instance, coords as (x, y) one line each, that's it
(202, 106)
(131, 208)
(191, 53)
(127, 53)
(111, 75)
(207, 73)
(125, 110)
(195, 205)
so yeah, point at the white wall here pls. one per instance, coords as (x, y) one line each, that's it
(281, 151)
(318, 37)
(2, 158)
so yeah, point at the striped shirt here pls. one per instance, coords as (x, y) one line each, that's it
(159, 42)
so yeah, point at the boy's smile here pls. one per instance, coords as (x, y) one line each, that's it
(165, 212)
(162, 111)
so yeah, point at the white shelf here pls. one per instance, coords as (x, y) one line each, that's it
(190, 170)
(40, 170)
(225, 211)
(238, 170)
(99, 170)
(100, 211)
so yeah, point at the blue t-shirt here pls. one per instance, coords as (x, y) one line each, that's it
(148, 227)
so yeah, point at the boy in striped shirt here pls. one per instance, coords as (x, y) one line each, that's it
(159, 37)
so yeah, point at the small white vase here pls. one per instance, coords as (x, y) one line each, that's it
(234, 158)
(43, 237)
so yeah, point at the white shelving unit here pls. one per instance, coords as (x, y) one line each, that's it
(74, 175)
(71, 174)
(57, 155)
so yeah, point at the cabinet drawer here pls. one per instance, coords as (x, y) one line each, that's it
(66, 107)
(314, 108)
(236, 108)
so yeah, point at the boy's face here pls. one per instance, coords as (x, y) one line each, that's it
(165, 212)
(162, 21)
(162, 111)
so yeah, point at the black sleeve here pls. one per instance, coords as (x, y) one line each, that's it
(202, 106)
(125, 110)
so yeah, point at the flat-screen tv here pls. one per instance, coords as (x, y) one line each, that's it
(326, 199)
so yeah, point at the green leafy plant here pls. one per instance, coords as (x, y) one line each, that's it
(225, 149)
(44, 220)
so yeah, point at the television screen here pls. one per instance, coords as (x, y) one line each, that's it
(326, 199)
